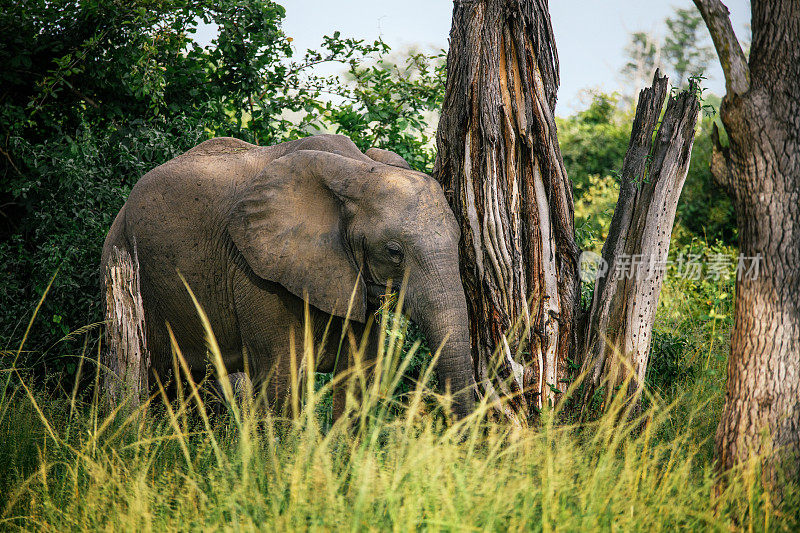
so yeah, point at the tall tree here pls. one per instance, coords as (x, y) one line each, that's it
(686, 47)
(500, 165)
(684, 50)
(760, 169)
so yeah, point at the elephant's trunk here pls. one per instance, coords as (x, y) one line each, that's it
(441, 311)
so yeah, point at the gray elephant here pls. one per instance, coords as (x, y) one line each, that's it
(256, 230)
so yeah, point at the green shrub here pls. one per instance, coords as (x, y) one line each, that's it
(72, 190)
(593, 142)
(668, 368)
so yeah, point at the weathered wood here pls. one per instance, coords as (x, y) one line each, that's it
(761, 171)
(731, 55)
(500, 165)
(126, 361)
(617, 342)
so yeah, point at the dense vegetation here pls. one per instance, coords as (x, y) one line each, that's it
(391, 463)
(96, 93)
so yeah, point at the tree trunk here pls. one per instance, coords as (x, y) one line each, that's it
(634, 258)
(126, 361)
(500, 165)
(760, 169)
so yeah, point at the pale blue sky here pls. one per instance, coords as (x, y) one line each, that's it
(590, 34)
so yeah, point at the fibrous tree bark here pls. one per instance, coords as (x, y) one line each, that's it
(500, 165)
(760, 170)
(126, 361)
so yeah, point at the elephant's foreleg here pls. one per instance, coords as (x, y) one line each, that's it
(269, 324)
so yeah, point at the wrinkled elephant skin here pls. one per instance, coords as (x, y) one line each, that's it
(255, 231)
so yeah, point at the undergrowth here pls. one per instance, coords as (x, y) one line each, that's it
(394, 461)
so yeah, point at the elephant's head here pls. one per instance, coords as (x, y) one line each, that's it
(322, 224)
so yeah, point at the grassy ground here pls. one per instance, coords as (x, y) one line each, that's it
(393, 463)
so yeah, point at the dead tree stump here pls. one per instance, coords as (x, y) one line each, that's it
(126, 362)
(623, 311)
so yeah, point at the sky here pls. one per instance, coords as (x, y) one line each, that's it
(590, 34)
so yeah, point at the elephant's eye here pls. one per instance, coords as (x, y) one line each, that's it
(395, 252)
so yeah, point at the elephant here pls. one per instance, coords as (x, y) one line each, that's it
(259, 231)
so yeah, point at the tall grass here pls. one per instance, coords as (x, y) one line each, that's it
(392, 462)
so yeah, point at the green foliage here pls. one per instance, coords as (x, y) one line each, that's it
(593, 141)
(389, 106)
(593, 211)
(411, 342)
(667, 368)
(695, 319)
(74, 188)
(97, 93)
(684, 50)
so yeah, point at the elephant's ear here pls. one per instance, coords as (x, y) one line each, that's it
(289, 222)
(387, 157)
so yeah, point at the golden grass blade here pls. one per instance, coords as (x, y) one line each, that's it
(25, 335)
(173, 420)
(309, 361)
(419, 390)
(346, 320)
(33, 317)
(75, 333)
(78, 373)
(294, 377)
(39, 412)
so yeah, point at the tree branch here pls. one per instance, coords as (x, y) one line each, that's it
(731, 56)
(8, 156)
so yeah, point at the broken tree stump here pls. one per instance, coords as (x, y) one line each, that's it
(623, 311)
(125, 362)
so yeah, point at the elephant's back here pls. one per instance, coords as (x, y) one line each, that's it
(209, 168)
(176, 213)
(175, 217)
(203, 181)
(193, 189)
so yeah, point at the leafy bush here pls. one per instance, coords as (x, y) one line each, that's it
(668, 367)
(593, 211)
(98, 93)
(593, 142)
(390, 105)
(73, 189)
